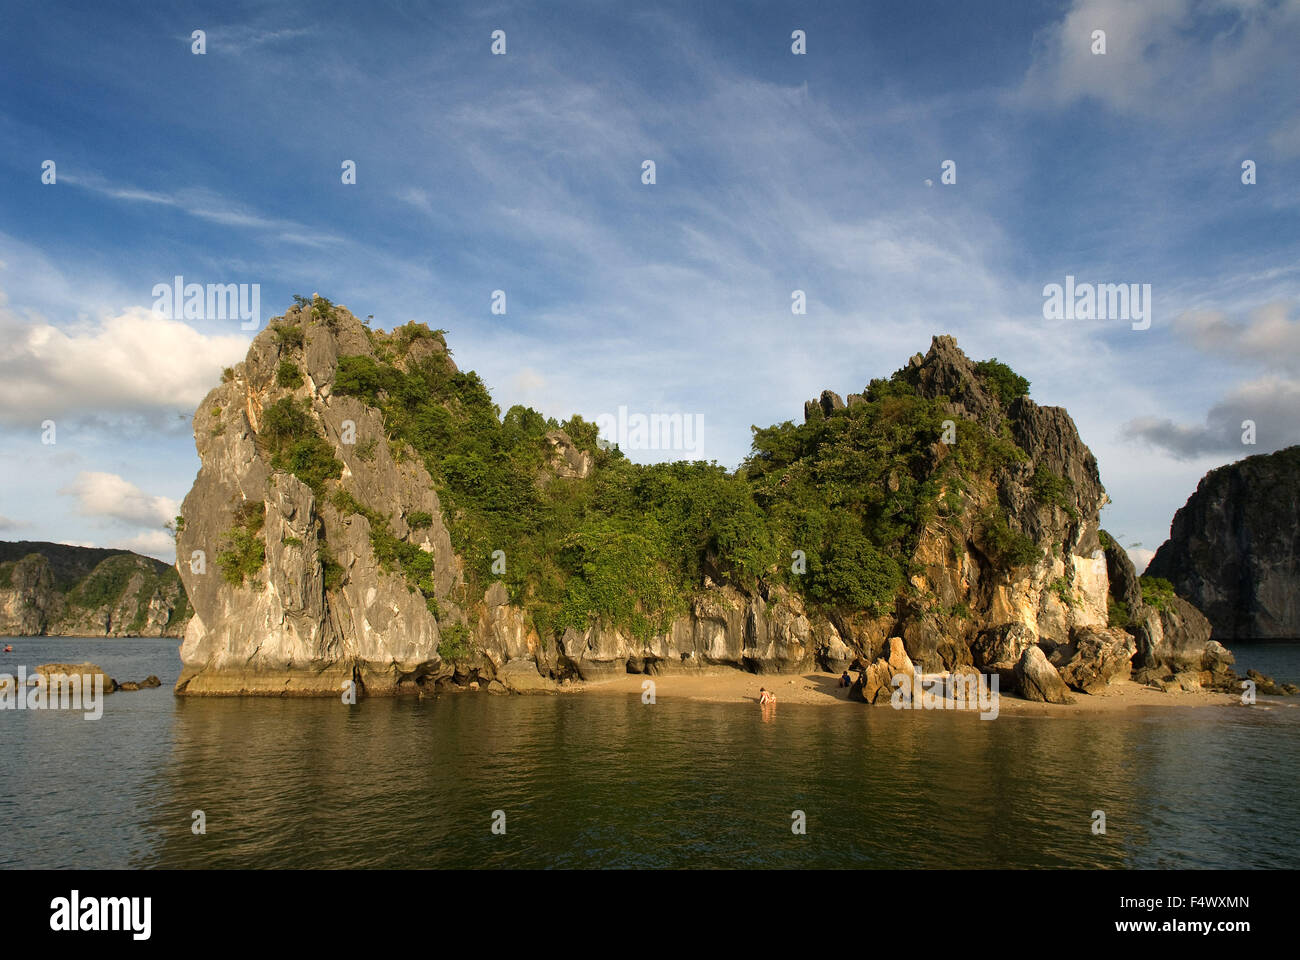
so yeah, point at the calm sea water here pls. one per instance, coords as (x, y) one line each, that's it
(605, 781)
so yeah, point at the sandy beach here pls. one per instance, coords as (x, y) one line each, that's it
(822, 689)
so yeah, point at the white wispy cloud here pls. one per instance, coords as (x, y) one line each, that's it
(204, 204)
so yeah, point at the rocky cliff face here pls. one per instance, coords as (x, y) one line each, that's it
(59, 590)
(1234, 548)
(316, 550)
(1171, 638)
(288, 593)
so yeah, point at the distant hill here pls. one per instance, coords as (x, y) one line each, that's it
(61, 590)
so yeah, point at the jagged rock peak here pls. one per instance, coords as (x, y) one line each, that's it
(944, 371)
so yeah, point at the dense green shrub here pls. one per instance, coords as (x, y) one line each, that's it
(245, 552)
(454, 644)
(1053, 490)
(1157, 592)
(290, 433)
(287, 334)
(1117, 613)
(1005, 546)
(1002, 381)
(331, 569)
(288, 375)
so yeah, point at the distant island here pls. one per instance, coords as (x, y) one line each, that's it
(1234, 548)
(60, 590)
(364, 515)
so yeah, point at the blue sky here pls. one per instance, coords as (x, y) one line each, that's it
(774, 173)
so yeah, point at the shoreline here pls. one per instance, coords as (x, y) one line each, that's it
(820, 689)
(722, 684)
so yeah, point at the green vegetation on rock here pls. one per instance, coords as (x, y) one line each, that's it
(106, 584)
(454, 644)
(1005, 546)
(1048, 488)
(288, 334)
(295, 445)
(849, 494)
(1156, 592)
(1004, 382)
(288, 375)
(331, 569)
(246, 553)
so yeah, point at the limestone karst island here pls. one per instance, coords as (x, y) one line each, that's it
(366, 519)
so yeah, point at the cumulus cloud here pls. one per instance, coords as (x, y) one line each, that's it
(1203, 49)
(152, 543)
(1140, 557)
(1270, 404)
(133, 364)
(109, 496)
(1270, 336)
(1265, 407)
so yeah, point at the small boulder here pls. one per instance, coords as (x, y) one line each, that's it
(1100, 656)
(1266, 684)
(522, 677)
(874, 684)
(79, 669)
(999, 649)
(1038, 680)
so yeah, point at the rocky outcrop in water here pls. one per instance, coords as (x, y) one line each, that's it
(289, 596)
(59, 590)
(86, 672)
(1172, 640)
(318, 554)
(1234, 548)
